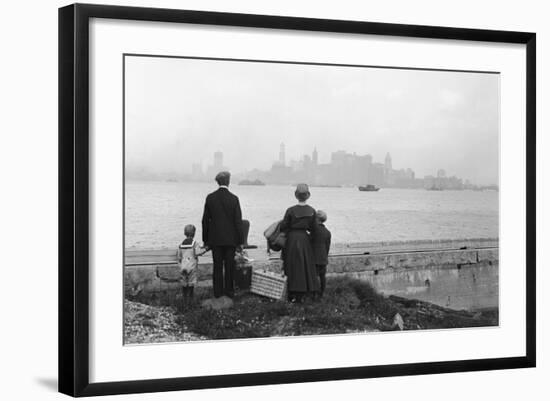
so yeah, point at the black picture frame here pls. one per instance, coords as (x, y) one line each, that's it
(74, 198)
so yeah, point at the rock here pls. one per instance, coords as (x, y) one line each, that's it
(148, 323)
(398, 321)
(218, 303)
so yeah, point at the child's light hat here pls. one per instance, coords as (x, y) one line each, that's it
(321, 215)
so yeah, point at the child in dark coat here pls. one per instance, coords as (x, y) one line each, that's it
(321, 247)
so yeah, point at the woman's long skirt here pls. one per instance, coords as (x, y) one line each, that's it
(299, 263)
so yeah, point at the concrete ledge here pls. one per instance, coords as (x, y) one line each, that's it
(387, 270)
(487, 255)
(155, 256)
(416, 245)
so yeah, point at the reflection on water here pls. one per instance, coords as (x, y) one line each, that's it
(156, 212)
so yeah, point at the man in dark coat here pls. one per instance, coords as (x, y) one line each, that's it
(222, 232)
(321, 246)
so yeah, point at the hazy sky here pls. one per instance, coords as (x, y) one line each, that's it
(179, 111)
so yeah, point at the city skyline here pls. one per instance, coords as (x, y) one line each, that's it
(179, 111)
(382, 173)
(211, 167)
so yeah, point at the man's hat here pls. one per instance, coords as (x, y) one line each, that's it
(222, 178)
(302, 189)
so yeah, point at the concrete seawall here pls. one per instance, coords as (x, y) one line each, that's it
(459, 274)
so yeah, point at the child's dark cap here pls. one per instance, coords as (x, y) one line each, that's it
(189, 230)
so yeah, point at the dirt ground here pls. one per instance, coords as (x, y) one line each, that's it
(348, 306)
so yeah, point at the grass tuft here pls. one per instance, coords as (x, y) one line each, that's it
(347, 305)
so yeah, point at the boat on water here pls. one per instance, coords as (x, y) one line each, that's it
(368, 188)
(434, 188)
(251, 182)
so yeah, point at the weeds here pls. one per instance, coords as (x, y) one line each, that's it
(344, 307)
(348, 305)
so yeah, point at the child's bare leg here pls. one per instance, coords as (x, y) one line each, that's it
(185, 297)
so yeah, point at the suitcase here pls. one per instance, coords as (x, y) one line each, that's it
(269, 284)
(243, 272)
(243, 276)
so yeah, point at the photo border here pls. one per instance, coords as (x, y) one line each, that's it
(74, 194)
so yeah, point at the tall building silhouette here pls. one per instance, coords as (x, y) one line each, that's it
(387, 162)
(388, 171)
(217, 166)
(282, 156)
(218, 160)
(315, 157)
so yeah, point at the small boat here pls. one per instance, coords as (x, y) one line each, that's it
(251, 182)
(434, 188)
(368, 188)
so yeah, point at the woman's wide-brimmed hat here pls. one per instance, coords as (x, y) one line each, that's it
(302, 191)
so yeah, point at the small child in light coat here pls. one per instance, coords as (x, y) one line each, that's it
(188, 260)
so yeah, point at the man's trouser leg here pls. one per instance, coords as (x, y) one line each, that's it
(217, 271)
(229, 270)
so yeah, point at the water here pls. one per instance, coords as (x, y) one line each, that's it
(156, 212)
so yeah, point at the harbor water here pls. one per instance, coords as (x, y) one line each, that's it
(157, 211)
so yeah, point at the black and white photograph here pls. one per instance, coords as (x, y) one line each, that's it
(279, 199)
(275, 200)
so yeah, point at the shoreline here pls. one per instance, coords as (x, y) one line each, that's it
(461, 274)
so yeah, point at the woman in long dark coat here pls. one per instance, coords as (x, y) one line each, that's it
(298, 259)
